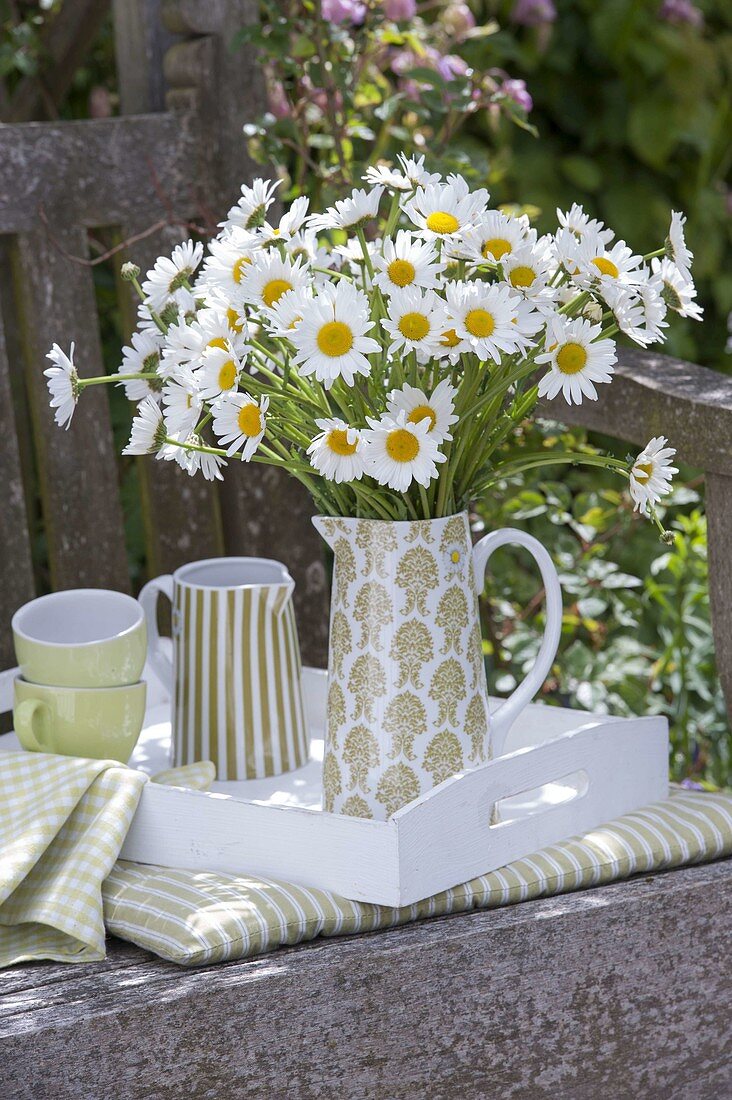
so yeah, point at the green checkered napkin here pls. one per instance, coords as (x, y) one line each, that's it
(62, 824)
(195, 918)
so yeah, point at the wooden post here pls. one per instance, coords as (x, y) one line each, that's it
(77, 469)
(719, 548)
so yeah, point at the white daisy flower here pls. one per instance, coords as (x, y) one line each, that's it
(355, 210)
(454, 558)
(289, 224)
(452, 346)
(193, 461)
(63, 384)
(227, 261)
(580, 224)
(239, 422)
(416, 322)
(678, 291)
(331, 340)
(304, 246)
(219, 373)
(650, 476)
(528, 269)
(287, 312)
(408, 177)
(251, 209)
(213, 327)
(337, 452)
(600, 266)
(640, 310)
(496, 237)
(445, 211)
(484, 315)
(143, 355)
(169, 279)
(576, 358)
(148, 429)
(677, 249)
(406, 261)
(269, 276)
(397, 452)
(437, 409)
(182, 402)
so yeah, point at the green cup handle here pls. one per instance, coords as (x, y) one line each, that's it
(33, 723)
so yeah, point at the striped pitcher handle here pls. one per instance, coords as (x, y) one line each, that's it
(159, 659)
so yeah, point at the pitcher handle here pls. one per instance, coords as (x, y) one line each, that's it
(161, 663)
(503, 718)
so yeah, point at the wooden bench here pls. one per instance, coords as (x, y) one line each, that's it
(619, 992)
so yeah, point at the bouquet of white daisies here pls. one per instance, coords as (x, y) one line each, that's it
(384, 350)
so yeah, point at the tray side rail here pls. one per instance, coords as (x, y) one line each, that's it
(453, 833)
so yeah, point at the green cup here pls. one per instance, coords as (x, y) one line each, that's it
(85, 637)
(97, 723)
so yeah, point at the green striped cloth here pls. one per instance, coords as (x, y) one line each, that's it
(197, 918)
(62, 824)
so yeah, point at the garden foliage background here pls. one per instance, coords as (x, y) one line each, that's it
(624, 106)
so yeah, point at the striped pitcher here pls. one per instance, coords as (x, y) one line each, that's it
(236, 674)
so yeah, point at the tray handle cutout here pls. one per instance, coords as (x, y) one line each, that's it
(533, 801)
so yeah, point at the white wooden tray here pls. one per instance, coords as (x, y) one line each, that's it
(563, 772)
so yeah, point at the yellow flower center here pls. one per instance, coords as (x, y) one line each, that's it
(571, 358)
(450, 339)
(401, 272)
(442, 222)
(402, 445)
(479, 322)
(642, 471)
(423, 412)
(455, 557)
(217, 342)
(227, 375)
(522, 276)
(606, 267)
(337, 440)
(238, 269)
(414, 326)
(233, 318)
(274, 290)
(249, 420)
(496, 247)
(335, 338)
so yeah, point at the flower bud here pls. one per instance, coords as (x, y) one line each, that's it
(130, 272)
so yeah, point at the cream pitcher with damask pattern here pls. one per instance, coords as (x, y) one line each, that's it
(407, 692)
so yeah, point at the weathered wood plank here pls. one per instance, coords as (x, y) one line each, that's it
(16, 564)
(181, 514)
(140, 41)
(653, 394)
(77, 468)
(92, 173)
(719, 547)
(622, 991)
